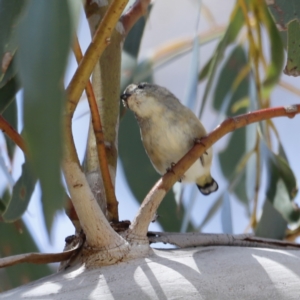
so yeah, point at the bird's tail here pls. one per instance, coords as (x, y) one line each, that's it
(207, 187)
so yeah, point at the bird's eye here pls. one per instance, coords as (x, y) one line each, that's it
(141, 85)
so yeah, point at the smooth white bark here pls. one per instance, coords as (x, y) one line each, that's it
(193, 273)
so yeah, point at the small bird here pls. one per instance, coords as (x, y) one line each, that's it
(168, 131)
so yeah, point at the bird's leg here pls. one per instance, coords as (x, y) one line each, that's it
(199, 141)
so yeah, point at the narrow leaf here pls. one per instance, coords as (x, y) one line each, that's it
(293, 56)
(10, 11)
(21, 194)
(16, 239)
(8, 93)
(281, 186)
(271, 224)
(45, 39)
(235, 25)
(275, 66)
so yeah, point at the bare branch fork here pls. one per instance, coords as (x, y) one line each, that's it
(139, 226)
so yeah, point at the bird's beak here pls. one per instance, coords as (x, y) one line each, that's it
(124, 98)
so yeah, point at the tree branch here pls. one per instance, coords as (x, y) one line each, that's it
(100, 41)
(43, 258)
(112, 203)
(12, 134)
(196, 239)
(97, 229)
(137, 10)
(150, 204)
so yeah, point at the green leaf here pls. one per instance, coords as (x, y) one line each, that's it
(15, 239)
(21, 194)
(134, 37)
(284, 11)
(275, 67)
(129, 67)
(230, 72)
(141, 175)
(271, 224)
(10, 115)
(278, 168)
(45, 39)
(293, 55)
(235, 25)
(8, 93)
(4, 200)
(231, 156)
(10, 11)
(281, 186)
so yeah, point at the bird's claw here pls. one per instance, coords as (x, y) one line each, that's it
(170, 169)
(199, 141)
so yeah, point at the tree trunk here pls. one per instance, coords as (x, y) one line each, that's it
(193, 273)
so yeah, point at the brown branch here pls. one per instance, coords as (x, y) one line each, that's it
(100, 41)
(150, 204)
(43, 258)
(137, 10)
(12, 134)
(112, 203)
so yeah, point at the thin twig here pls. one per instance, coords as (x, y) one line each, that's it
(12, 134)
(43, 258)
(137, 10)
(150, 204)
(112, 203)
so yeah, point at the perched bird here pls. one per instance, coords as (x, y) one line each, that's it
(168, 131)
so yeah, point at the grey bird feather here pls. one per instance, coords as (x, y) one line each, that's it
(168, 131)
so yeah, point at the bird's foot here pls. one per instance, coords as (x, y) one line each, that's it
(199, 141)
(170, 169)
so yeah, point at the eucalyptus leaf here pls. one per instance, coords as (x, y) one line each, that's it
(10, 11)
(284, 12)
(274, 69)
(293, 55)
(4, 200)
(21, 194)
(8, 93)
(45, 36)
(235, 25)
(230, 72)
(271, 224)
(16, 239)
(281, 186)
